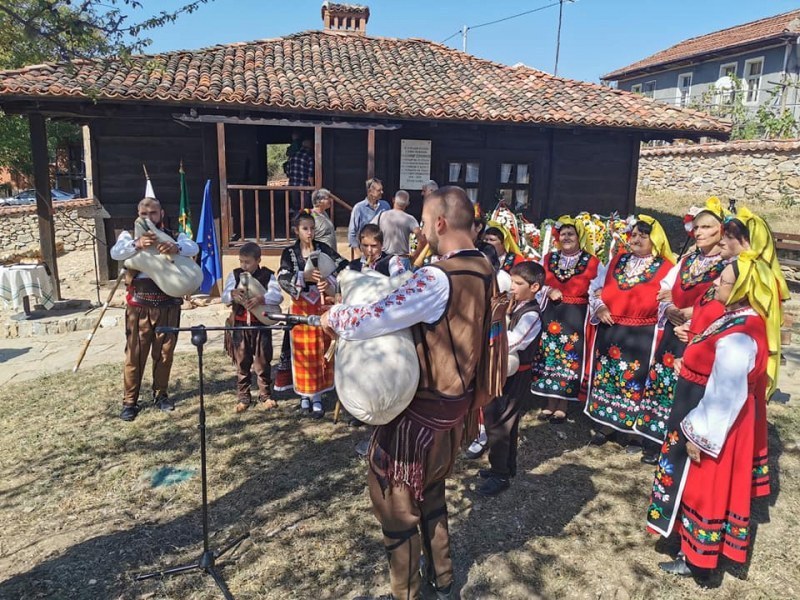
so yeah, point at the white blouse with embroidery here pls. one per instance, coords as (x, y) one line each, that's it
(708, 425)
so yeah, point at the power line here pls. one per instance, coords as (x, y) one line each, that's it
(463, 31)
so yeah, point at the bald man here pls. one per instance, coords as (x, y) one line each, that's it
(149, 307)
(445, 304)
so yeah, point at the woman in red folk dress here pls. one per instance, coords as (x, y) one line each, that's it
(627, 312)
(728, 365)
(559, 368)
(680, 289)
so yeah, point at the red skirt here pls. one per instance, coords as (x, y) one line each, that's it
(715, 507)
(312, 375)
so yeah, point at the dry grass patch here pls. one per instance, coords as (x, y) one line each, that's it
(80, 515)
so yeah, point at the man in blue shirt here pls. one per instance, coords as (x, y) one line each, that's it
(366, 210)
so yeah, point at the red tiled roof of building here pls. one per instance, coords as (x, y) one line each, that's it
(750, 33)
(348, 74)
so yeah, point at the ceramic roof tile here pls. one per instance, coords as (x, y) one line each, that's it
(355, 75)
(762, 30)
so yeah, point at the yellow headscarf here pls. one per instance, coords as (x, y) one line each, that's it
(661, 245)
(762, 241)
(583, 238)
(714, 206)
(757, 284)
(509, 243)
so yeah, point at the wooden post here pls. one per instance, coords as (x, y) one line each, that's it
(93, 191)
(44, 201)
(225, 224)
(317, 157)
(370, 153)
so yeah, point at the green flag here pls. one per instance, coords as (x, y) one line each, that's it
(185, 213)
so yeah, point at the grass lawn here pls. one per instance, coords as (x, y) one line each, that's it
(80, 514)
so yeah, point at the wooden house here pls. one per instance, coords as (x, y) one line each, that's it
(403, 110)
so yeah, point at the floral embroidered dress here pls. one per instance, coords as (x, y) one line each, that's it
(689, 280)
(721, 407)
(560, 365)
(622, 352)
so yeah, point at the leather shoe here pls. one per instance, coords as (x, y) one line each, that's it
(129, 412)
(485, 473)
(598, 439)
(679, 566)
(649, 458)
(164, 403)
(494, 485)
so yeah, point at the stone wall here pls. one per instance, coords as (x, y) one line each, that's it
(74, 223)
(744, 170)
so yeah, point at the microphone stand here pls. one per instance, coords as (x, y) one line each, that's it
(208, 559)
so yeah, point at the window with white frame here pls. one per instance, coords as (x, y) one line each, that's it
(636, 88)
(649, 89)
(684, 88)
(752, 79)
(728, 69)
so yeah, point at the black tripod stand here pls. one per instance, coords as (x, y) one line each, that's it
(207, 560)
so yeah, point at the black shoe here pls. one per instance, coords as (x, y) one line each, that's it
(129, 412)
(633, 449)
(494, 485)
(317, 411)
(353, 422)
(485, 473)
(649, 458)
(164, 403)
(598, 439)
(679, 566)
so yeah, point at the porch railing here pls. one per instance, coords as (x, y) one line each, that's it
(263, 214)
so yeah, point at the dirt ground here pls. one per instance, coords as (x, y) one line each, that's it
(82, 510)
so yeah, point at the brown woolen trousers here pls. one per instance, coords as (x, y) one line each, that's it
(410, 527)
(141, 340)
(251, 349)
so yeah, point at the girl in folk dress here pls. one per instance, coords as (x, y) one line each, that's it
(626, 310)
(727, 366)
(680, 289)
(559, 368)
(312, 375)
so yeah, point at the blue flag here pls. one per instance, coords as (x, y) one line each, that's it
(207, 240)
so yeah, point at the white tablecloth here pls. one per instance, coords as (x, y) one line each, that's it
(18, 281)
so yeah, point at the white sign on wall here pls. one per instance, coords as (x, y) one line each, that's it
(415, 163)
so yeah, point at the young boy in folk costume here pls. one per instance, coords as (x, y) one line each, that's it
(370, 240)
(501, 417)
(312, 375)
(250, 348)
(149, 307)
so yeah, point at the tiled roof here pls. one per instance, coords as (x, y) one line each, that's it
(738, 146)
(349, 74)
(762, 30)
(61, 206)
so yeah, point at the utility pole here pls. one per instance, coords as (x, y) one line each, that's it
(464, 30)
(558, 35)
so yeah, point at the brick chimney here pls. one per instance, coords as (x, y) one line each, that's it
(345, 17)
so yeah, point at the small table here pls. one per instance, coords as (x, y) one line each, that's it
(19, 282)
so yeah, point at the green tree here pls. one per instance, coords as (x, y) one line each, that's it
(37, 31)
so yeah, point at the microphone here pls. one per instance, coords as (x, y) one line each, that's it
(311, 320)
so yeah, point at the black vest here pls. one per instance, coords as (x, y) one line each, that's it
(527, 355)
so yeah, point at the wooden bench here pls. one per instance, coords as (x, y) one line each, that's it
(787, 241)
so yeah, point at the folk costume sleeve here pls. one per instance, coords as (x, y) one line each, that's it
(525, 332)
(707, 426)
(230, 283)
(666, 284)
(124, 248)
(595, 289)
(422, 299)
(290, 278)
(187, 246)
(274, 294)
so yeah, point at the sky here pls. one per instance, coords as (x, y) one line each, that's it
(598, 36)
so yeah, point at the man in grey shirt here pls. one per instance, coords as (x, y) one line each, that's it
(324, 230)
(397, 225)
